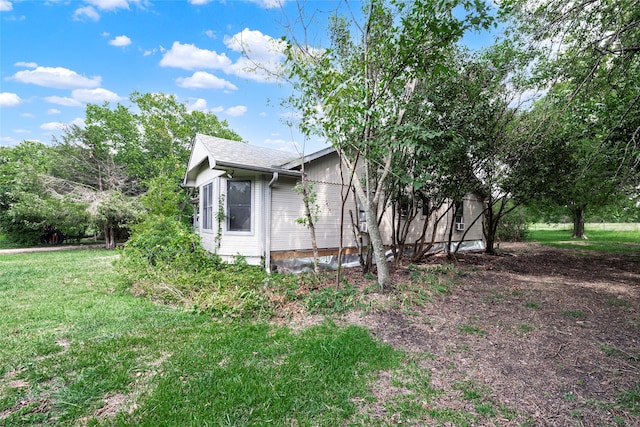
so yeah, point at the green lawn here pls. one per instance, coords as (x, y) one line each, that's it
(598, 240)
(76, 351)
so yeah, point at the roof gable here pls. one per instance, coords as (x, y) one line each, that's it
(226, 154)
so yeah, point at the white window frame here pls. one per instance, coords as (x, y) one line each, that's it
(251, 207)
(207, 205)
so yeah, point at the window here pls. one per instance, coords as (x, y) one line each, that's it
(207, 207)
(425, 205)
(238, 205)
(459, 219)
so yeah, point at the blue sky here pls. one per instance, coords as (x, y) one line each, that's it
(58, 55)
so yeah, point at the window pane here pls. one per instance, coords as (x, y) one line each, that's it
(239, 205)
(207, 207)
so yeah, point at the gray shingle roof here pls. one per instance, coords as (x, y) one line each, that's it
(235, 153)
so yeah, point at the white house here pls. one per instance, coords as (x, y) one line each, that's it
(247, 204)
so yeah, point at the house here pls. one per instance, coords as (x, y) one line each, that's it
(248, 205)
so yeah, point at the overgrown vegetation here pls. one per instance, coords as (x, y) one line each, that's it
(75, 352)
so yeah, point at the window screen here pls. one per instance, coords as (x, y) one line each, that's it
(239, 205)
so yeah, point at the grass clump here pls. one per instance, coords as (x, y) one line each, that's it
(630, 399)
(574, 314)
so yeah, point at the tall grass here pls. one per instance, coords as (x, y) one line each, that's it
(76, 351)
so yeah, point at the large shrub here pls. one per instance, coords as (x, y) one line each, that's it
(31, 214)
(514, 226)
(163, 260)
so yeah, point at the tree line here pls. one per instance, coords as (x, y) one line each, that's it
(90, 180)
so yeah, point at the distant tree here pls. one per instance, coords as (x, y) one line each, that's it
(588, 63)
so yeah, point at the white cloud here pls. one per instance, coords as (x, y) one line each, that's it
(8, 141)
(282, 144)
(58, 77)
(204, 80)
(8, 99)
(256, 44)
(199, 2)
(109, 4)
(263, 55)
(189, 57)
(66, 102)
(197, 105)
(149, 52)
(269, 4)
(21, 131)
(98, 95)
(211, 34)
(5, 6)
(120, 41)
(78, 121)
(52, 111)
(80, 97)
(26, 64)
(86, 12)
(236, 111)
(27, 115)
(90, 11)
(53, 126)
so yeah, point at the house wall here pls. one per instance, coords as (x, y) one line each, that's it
(288, 205)
(279, 229)
(324, 173)
(248, 244)
(472, 206)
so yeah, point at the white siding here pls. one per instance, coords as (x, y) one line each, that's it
(472, 208)
(248, 244)
(287, 206)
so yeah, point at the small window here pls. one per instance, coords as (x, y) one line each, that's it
(425, 205)
(207, 207)
(238, 205)
(459, 216)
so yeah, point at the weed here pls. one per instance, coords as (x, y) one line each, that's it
(618, 302)
(524, 327)
(330, 300)
(531, 304)
(177, 367)
(608, 350)
(576, 413)
(569, 396)
(471, 330)
(494, 296)
(574, 314)
(630, 399)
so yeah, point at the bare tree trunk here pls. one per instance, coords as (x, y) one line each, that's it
(109, 237)
(308, 197)
(489, 230)
(578, 223)
(312, 228)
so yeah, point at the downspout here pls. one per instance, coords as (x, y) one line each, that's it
(267, 256)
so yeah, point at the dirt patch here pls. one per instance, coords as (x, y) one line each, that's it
(552, 335)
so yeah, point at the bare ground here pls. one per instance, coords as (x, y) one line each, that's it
(552, 334)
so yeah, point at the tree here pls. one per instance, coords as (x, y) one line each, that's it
(354, 94)
(115, 213)
(588, 63)
(119, 154)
